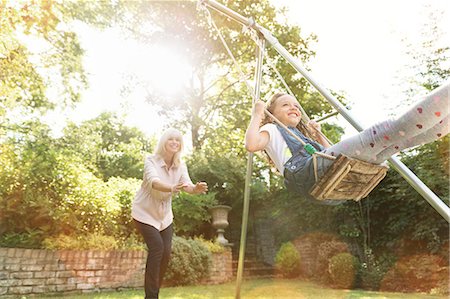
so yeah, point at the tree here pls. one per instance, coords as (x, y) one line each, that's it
(429, 60)
(394, 214)
(41, 56)
(214, 101)
(109, 147)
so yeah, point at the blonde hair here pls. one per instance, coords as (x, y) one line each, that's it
(161, 147)
(270, 106)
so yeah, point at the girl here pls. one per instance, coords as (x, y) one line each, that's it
(425, 122)
(164, 175)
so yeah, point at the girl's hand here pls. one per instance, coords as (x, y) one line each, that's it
(200, 188)
(258, 109)
(314, 126)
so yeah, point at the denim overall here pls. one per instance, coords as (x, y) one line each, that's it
(299, 170)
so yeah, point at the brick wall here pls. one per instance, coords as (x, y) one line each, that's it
(222, 268)
(265, 241)
(32, 271)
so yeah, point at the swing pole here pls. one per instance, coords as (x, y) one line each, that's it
(401, 168)
(248, 177)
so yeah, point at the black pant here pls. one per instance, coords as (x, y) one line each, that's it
(159, 244)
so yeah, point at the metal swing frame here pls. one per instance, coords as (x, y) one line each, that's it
(264, 36)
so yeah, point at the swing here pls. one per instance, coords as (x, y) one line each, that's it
(346, 178)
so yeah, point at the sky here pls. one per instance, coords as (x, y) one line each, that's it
(359, 52)
(360, 49)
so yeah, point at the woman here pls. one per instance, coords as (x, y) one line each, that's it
(164, 175)
(424, 122)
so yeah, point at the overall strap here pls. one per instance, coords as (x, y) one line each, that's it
(294, 145)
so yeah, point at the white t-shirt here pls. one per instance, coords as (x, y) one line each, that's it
(276, 148)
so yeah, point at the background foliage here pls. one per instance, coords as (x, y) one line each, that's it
(55, 189)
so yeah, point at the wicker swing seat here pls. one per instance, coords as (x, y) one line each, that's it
(348, 178)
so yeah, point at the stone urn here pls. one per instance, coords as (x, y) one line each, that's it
(220, 222)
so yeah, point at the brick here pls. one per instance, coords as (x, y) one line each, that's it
(62, 254)
(35, 254)
(10, 282)
(85, 273)
(101, 273)
(21, 275)
(64, 274)
(32, 267)
(98, 254)
(27, 253)
(20, 290)
(75, 266)
(11, 252)
(42, 254)
(66, 287)
(94, 280)
(11, 260)
(52, 267)
(29, 261)
(44, 274)
(33, 282)
(4, 275)
(44, 289)
(75, 280)
(85, 286)
(3, 290)
(19, 253)
(3, 252)
(56, 280)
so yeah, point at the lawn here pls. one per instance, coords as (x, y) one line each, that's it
(252, 289)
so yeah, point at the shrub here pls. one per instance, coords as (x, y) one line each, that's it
(417, 273)
(316, 249)
(342, 269)
(189, 263)
(213, 247)
(191, 212)
(122, 192)
(287, 260)
(325, 252)
(28, 239)
(93, 241)
(373, 269)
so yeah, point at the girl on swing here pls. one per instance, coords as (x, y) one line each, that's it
(425, 122)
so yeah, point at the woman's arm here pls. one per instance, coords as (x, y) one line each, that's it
(164, 187)
(199, 188)
(255, 140)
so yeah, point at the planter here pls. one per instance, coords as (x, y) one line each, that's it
(220, 222)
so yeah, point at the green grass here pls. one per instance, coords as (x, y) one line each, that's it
(255, 289)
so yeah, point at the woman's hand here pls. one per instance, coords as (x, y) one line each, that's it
(178, 187)
(200, 188)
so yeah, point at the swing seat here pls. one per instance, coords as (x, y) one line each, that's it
(348, 178)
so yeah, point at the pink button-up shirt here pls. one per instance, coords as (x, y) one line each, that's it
(154, 207)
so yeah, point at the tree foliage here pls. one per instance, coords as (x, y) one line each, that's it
(213, 102)
(109, 147)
